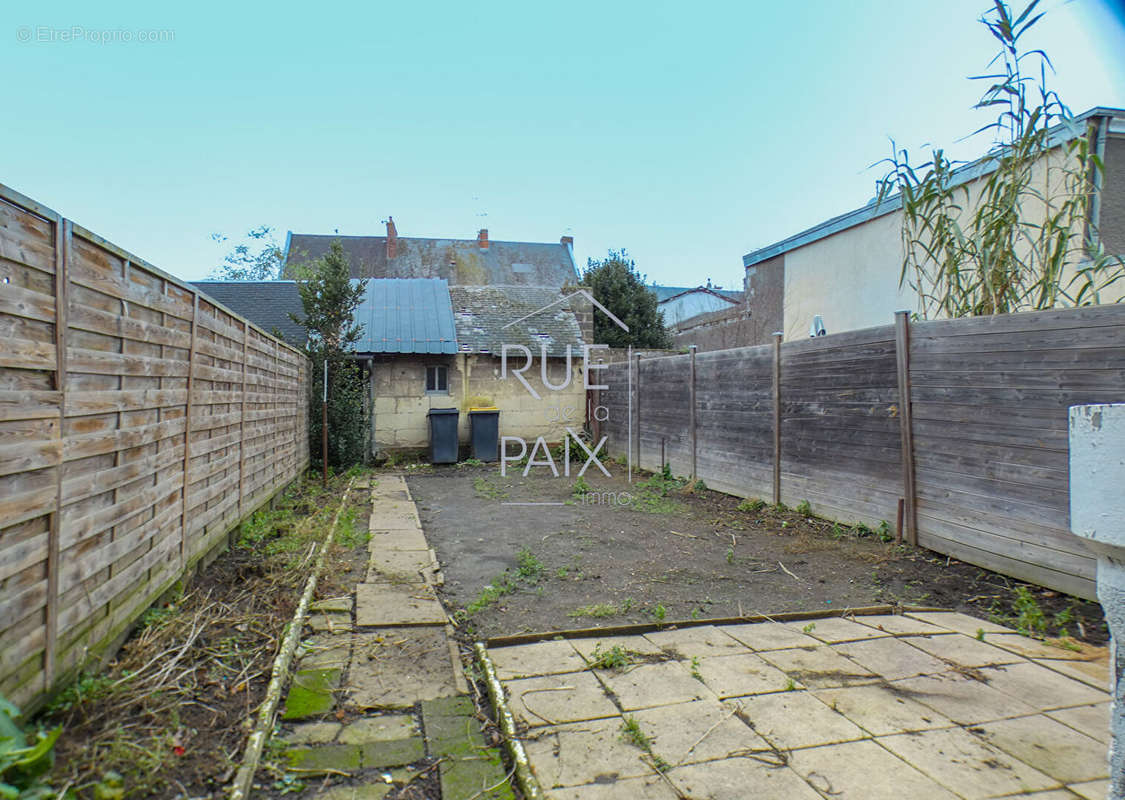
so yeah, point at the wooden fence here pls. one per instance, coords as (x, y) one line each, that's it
(139, 423)
(964, 420)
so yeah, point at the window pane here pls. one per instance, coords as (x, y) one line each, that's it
(431, 379)
(442, 379)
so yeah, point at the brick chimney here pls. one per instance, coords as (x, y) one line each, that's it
(392, 239)
(567, 241)
(482, 238)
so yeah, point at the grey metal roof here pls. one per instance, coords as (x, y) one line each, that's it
(406, 315)
(265, 303)
(963, 174)
(460, 261)
(481, 312)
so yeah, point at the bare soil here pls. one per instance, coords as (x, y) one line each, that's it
(678, 556)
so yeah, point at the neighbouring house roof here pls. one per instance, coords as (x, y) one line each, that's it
(728, 296)
(406, 315)
(666, 293)
(461, 262)
(265, 303)
(481, 312)
(968, 172)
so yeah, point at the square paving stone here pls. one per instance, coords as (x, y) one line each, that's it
(1040, 687)
(797, 719)
(387, 727)
(880, 710)
(770, 635)
(1091, 790)
(740, 778)
(1092, 673)
(631, 644)
(655, 788)
(539, 658)
(325, 758)
(397, 667)
(962, 650)
(703, 730)
(397, 566)
(392, 753)
(326, 651)
(370, 791)
(1033, 648)
(966, 764)
(1050, 747)
(583, 752)
(480, 777)
(891, 658)
(397, 540)
(659, 684)
(341, 605)
(832, 630)
(819, 667)
(732, 676)
(311, 693)
(313, 733)
(551, 699)
(864, 771)
(961, 699)
(700, 642)
(1092, 720)
(329, 622)
(380, 604)
(962, 623)
(900, 625)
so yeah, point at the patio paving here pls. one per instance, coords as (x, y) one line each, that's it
(929, 705)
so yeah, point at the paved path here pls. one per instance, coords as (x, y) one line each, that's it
(925, 706)
(379, 685)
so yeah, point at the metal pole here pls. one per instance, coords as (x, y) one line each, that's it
(324, 425)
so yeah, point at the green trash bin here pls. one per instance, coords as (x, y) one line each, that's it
(485, 433)
(443, 435)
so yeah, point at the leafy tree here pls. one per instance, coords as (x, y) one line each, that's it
(1020, 237)
(256, 259)
(618, 286)
(329, 300)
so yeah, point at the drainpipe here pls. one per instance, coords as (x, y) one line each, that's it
(1097, 515)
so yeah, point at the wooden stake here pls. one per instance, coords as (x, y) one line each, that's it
(906, 424)
(694, 449)
(777, 417)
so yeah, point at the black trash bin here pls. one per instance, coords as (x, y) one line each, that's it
(485, 425)
(443, 435)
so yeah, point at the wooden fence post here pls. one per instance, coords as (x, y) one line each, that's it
(187, 433)
(906, 423)
(637, 408)
(777, 417)
(62, 257)
(242, 420)
(694, 453)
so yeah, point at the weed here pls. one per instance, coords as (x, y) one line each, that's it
(1030, 620)
(695, 669)
(484, 488)
(730, 555)
(562, 572)
(470, 462)
(616, 657)
(627, 605)
(980, 634)
(809, 628)
(490, 594)
(790, 685)
(289, 784)
(597, 610)
(346, 534)
(695, 613)
(1064, 618)
(86, 689)
(529, 568)
(632, 733)
(752, 505)
(837, 531)
(862, 530)
(581, 488)
(1066, 643)
(804, 509)
(884, 532)
(157, 616)
(659, 612)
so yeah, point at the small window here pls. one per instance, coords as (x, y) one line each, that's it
(437, 379)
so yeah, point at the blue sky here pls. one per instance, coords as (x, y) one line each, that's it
(689, 134)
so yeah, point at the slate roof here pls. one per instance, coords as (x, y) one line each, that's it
(461, 262)
(406, 315)
(664, 293)
(481, 312)
(265, 303)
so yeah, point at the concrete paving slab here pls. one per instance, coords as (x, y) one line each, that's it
(770, 635)
(397, 566)
(394, 520)
(1050, 747)
(632, 644)
(329, 622)
(583, 752)
(880, 710)
(1092, 673)
(1039, 686)
(659, 684)
(372, 791)
(385, 728)
(891, 658)
(740, 778)
(313, 733)
(1092, 720)
(1091, 790)
(700, 642)
(864, 771)
(539, 658)
(326, 651)
(964, 651)
(633, 788)
(553, 699)
(703, 730)
(340, 605)
(394, 668)
(733, 676)
(1033, 648)
(965, 763)
(956, 621)
(397, 540)
(797, 719)
(819, 667)
(832, 630)
(379, 604)
(961, 699)
(900, 625)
